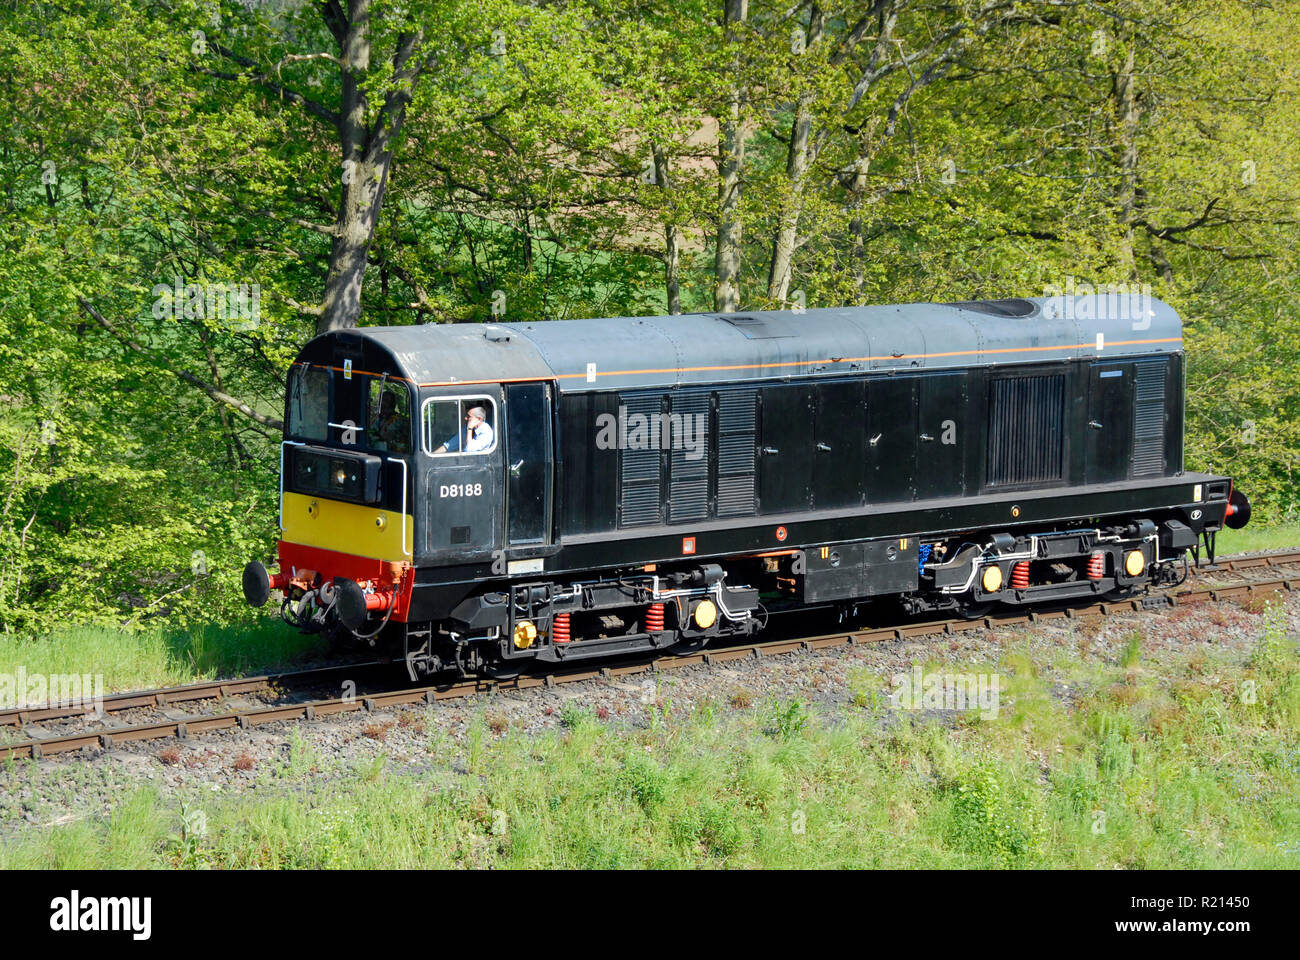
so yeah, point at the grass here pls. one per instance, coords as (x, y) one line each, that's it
(1177, 759)
(156, 656)
(1253, 538)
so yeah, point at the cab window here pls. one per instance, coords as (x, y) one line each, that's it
(309, 403)
(453, 426)
(388, 417)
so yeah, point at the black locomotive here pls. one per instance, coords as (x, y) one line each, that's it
(483, 495)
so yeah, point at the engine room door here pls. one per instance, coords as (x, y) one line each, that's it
(528, 463)
(941, 435)
(891, 439)
(1109, 430)
(839, 432)
(785, 453)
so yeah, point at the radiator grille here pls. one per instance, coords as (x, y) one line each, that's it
(1026, 429)
(688, 497)
(1149, 420)
(639, 480)
(737, 422)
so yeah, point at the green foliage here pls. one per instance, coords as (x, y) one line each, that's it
(866, 688)
(574, 717)
(185, 847)
(645, 781)
(1131, 655)
(788, 719)
(991, 820)
(147, 145)
(1257, 537)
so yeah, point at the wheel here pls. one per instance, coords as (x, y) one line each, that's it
(496, 670)
(341, 640)
(974, 611)
(690, 645)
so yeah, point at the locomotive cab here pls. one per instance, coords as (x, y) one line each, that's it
(347, 456)
(347, 544)
(387, 469)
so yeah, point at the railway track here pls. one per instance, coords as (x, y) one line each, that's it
(182, 726)
(1278, 558)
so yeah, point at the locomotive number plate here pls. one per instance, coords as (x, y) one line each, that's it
(460, 490)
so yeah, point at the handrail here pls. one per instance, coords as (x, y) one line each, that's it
(409, 553)
(283, 444)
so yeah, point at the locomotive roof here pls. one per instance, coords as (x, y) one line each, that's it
(635, 352)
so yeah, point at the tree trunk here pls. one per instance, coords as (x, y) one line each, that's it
(1126, 110)
(672, 239)
(367, 160)
(215, 372)
(858, 257)
(796, 169)
(731, 159)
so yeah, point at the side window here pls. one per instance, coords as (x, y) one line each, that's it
(388, 416)
(309, 403)
(459, 425)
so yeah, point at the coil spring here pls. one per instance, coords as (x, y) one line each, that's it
(1020, 575)
(1097, 566)
(654, 617)
(560, 629)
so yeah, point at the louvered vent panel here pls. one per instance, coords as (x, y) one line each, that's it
(641, 465)
(690, 500)
(688, 497)
(1149, 420)
(736, 454)
(735, 496)
(1026, 429)
(639, 481)
(640, 505)
(737, 422)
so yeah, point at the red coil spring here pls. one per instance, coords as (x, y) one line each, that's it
(654, 617)
(1020, 575)
(560, 629)
(1097, 566)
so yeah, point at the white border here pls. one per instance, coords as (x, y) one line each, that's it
(495, 425)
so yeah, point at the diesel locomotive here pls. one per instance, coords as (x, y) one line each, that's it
(475, 497)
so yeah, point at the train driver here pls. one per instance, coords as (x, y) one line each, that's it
(478, 433)
(392, 428)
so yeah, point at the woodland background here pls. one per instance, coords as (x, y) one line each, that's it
(411, 161)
